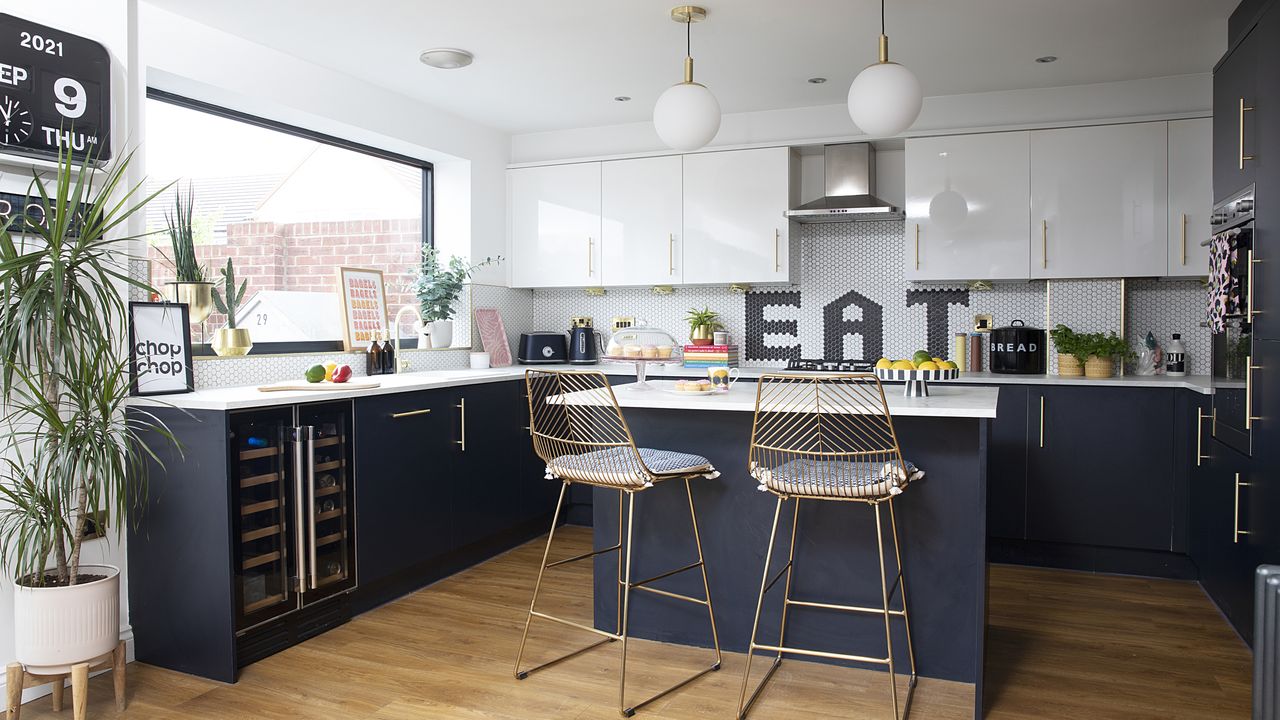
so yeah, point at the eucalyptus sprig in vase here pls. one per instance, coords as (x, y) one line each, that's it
(438, 289)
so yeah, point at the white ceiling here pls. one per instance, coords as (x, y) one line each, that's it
(554, 64)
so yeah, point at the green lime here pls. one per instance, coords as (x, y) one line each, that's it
(921, 356)
(315, 374)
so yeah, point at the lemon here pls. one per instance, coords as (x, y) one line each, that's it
(939, 360)
(903, 365)
(927, 365)
(947, 365)
(884, 364)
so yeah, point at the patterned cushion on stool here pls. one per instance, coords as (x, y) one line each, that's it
(836, 478)
(618, 466)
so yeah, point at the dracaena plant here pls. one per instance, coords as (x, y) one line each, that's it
(68, 447)
(229, 306)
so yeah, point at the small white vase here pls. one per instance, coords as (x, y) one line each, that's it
(57, 627)
(424, 336)
(441, 333)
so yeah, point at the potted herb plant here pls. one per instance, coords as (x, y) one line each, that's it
(1103, 351)
(1071, 350)
(1088, 354)
(438, 289)
(230, 340)
(703, 325)
(69, 450)
(189, 284)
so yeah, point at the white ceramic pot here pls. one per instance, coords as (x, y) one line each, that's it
(441, 333)
(57, 627)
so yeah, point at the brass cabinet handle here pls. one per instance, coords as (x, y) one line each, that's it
(1243, 109)
(410, 413)
(1249, 367)
(591, 244)
(917, 246)
(1041, 421)
(1184, 239)
(1235, 524)
(1200, 418)
(671, 254)
(1252, 262)
(777, 260)
(1044, 243)
(462, 424)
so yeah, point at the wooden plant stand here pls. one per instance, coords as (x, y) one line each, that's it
(18, 679)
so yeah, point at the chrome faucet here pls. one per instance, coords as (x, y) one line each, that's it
(402, 363)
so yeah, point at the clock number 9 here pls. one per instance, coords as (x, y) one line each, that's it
(71, 97)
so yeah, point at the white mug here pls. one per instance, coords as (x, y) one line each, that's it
(722, 378)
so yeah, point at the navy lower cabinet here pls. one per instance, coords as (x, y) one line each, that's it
(1007, 465)
(1100, 470)
(443, 485)
(403, 500)
(1222, 544)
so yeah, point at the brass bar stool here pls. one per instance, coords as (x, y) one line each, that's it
(828, 437)
(579, 432)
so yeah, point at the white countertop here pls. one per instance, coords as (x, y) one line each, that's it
(238, 398)
(961, 402)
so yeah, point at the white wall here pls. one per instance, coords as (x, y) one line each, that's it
(195, 60)
(1080, 104)
(105, 21)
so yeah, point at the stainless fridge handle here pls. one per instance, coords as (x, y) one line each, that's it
(311, 507)
(299, 517)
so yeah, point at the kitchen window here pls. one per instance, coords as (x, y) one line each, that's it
(289, 207)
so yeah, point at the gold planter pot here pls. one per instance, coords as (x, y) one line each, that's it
(231, 342)
(702, 334)
(1069, 366)
(197, 295)
(1099, 367)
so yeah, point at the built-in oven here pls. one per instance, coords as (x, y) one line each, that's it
(1231, 314)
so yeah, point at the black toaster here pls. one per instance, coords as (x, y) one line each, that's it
(542, 347)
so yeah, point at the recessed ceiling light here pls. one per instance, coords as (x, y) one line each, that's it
(817, 80)
(622, 98)
(446, 58)
(1047, 59)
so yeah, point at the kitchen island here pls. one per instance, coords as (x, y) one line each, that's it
(942, 521)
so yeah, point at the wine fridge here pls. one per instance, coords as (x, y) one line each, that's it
(294, 520)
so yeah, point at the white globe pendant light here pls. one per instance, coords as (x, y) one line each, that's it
(885, 98)
(687, 115)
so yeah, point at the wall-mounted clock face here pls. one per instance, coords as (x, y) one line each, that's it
(55, 92)
(15, 122)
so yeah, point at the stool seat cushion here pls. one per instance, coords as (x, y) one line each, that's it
(618, 466)
(811, 477)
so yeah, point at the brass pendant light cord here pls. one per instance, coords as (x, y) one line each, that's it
(688, 49)
(884, 39)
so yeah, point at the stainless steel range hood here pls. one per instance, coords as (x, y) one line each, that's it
(850, 189)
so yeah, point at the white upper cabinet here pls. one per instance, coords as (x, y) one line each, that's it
(1099, 198)
(642, 223)
(1190, 195)
(554, 225)
(735, 225)
(967, 208)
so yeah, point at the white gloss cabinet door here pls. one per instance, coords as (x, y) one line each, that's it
(967, 209)
(554, 225)
(642, 220)
(735, 225)
(1099, 198)
(1190, 195)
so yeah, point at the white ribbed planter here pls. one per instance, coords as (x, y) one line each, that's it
(57, 627)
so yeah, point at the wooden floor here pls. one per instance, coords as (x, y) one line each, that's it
(1062, 645)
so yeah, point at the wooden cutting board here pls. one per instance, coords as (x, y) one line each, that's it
(326, 386)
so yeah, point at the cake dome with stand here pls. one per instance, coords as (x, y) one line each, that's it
(642, 346)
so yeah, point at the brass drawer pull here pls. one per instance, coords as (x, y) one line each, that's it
(1243, 109)
(671, 254)
(410, 413)
(1249, 367)
(777, 258)
(1184, 239)
(1235, 524)
(1041, 421)
(462, 422)
(917, 246)
(1200, 418)
(1044, 243)
(591, 245)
